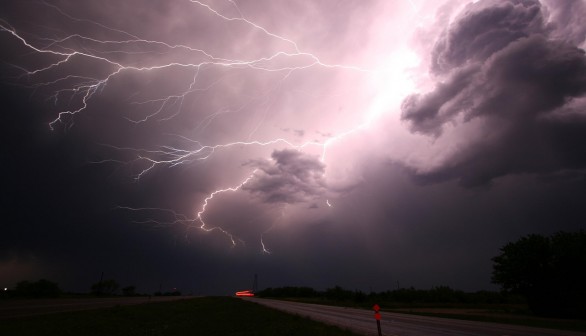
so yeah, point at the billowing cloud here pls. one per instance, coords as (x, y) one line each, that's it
(290, 177)
(566, 21)
(508, 80)
(483, 29)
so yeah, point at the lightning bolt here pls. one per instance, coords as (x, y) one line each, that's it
(80, 90)
(210, 197)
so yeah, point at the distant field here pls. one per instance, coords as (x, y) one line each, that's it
(200, 316)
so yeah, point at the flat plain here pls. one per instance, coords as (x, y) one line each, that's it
(198, 316)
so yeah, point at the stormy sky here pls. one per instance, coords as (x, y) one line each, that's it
(366, 144)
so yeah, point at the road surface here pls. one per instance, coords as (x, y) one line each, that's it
(23, 308)
(363, 322)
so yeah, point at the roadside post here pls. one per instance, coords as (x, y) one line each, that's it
(376, 309)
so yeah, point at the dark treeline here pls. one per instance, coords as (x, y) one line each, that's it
(545, 272)
(436, 295)
(44, 288)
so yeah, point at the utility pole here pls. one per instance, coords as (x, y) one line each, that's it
(100, 284)
(255, 283)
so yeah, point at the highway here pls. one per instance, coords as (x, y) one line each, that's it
(394, 324)
(23, 308)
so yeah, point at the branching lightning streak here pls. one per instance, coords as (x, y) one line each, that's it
(210, 197)
(185, 220)
(86, 87)
(171, 156)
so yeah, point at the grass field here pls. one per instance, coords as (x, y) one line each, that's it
(201, 316)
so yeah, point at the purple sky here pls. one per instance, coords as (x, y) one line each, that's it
(356, 143)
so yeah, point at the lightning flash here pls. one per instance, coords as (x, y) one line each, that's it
(124, 53)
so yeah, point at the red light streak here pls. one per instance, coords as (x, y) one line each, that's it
(245, 293)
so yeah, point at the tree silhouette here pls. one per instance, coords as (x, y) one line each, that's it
(548, 271)
(37, 289)
(105, 287)
(129, 291)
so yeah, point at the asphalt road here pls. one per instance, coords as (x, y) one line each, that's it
(23, 308)
(363, 322)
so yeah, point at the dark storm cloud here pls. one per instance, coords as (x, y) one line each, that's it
(429, 112)
(503, 71)
(567, 20)
(290, 177)
(483, 29)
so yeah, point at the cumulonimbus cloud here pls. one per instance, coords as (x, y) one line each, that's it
(500, 62)
(289, 177)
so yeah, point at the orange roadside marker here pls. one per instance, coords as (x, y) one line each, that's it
(376, 309)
